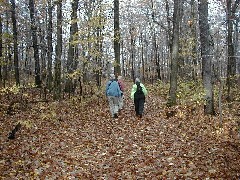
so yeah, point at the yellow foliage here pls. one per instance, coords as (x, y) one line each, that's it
(74, 75)
(27, 124)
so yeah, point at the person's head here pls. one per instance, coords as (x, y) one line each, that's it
(137, 80)
(112, 77)
(119, 77)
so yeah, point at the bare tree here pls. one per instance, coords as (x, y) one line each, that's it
(206, 56)
(142, 56)
(231, 64)
(1, 47)
(192, 25)
(57, 80)
(236, 48)
(99, 43)
(49, 45)
(175, 52)
(117, 68)
(15, 43)
(35, 43)
(132, 35)
(7, 54)
(73, 47)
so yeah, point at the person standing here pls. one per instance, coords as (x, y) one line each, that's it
(138, 94)
(122, 88)
(113, 93)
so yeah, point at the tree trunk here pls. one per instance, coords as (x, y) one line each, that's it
(15, 43)
(155, 46)
(87, 47)
(57, 80)
(99, 47)
(142, 57)
(132, 52)
(43, 53)
(169, 35)
(123, 61)
(98, 57)
(117, 68)
(7, 54)
(206, 56)
(193, 35)
(73, 48)
(1, 48)
(237, 52)
(35, 43)
(231, 64)
(49, 45)
(175, 52)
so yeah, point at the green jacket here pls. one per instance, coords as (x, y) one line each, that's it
(134, 88)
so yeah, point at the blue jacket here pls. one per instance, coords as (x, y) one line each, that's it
(113, 89)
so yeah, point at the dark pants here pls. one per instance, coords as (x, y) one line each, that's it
(139, 105)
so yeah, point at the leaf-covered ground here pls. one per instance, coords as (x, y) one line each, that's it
(78, 140)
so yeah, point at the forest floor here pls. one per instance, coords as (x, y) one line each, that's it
(70, 139)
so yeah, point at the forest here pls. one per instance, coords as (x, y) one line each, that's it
(56, 57)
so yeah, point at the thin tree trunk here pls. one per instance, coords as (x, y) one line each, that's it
(206, 56)
(117, 68)
(43, 52)
(87, 48)
(1, 48)
(169, 35)
(231, 64)
(193, 34)
(175, 53)
(132, 53)
(220, 102)
(35, 43)
(7, 54)
(57, 80)
(73, 50)
(155, 46)
(99, 48)
(156, 57)
(237, 52)
(142, 57)
(123, 61)
(146, 54)
(15, 43)
(97, 57)
(50, 46)
(100, 64)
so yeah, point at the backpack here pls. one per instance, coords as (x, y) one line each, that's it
(139, 89)
(139, 92)
(109, 85)
(120, 86)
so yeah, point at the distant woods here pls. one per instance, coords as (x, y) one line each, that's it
(62, 45)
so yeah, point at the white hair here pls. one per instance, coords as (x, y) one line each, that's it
(112, 76)
(137, 80)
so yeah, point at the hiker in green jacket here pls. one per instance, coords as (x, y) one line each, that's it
(138, 94)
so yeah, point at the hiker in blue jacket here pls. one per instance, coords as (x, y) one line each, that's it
(113, 93)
